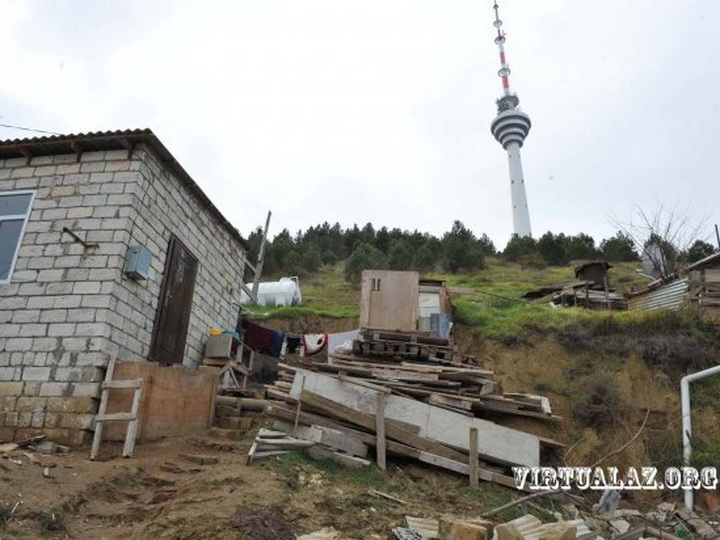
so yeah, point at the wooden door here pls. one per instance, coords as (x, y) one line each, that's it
(174, 304)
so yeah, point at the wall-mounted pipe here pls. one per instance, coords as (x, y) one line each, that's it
(687, 420)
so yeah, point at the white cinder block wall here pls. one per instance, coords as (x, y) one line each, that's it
(68, 309)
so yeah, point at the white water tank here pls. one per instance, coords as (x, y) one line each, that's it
(285, 292)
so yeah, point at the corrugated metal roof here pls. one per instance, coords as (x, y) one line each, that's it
(669, 296)
(112, 140)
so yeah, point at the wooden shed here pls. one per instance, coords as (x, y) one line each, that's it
(703, 279)
(403, 302)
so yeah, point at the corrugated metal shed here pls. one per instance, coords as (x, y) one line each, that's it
(669, 296)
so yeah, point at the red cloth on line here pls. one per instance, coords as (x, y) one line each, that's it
(257, 337)
(314, 343)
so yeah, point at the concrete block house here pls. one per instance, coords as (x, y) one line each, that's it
(72, 296)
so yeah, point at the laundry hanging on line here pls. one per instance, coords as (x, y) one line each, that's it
(342, 341)
(313, 344)
(277, 343)
(256, 337)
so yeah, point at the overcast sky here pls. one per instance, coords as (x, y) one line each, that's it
(379, 111)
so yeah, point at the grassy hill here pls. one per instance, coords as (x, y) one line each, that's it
(494, 307)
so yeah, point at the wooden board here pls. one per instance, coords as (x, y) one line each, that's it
(497, 443)
(177, 403)
(392, 304)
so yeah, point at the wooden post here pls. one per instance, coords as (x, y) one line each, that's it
(133, 424)
(97, 438)
(261, 258)
(607, 293)
(297, 411)
(380, 431)
(473, 457)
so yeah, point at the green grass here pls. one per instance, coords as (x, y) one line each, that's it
(325, 294)
(289, 464)
(494, 305)
(51, 521)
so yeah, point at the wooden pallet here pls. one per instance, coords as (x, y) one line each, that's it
(130, 417)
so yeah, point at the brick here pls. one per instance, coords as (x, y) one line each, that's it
(50, 275)
(54, 315)
(52, 420)
(40, 302)
(72, 301)
(62, 191)
(36, 373)
(31, 388)
(52, 214)
(104, 274)
(87, 287)
(113, 166)
(12, 303)
(77, 421)
(38, 420)
(25, 316)
(24, 420)
(18, 344)
(85, 389)
(8, 373)
(24, 276)
(67, 261)
(40, 263)
(61, 329)
(94, 200)
(98, 155)
(54, 389)
(96, 166)
(7, 404)
(82, 405)
(31, 404)
(78, 274)
(78, 374)
(81, 315)
(30, 289)
(11, 388)
(32, 330)
(80, 212)
(25, 172)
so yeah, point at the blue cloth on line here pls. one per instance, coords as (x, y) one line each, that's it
(278, 338)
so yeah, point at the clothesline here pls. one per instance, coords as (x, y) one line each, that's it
(277, 343)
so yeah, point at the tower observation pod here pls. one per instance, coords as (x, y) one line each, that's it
(510, 128)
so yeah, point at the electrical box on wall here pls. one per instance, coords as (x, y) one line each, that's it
(137, 262)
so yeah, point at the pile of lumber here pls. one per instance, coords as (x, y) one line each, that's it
(410, 395)
(408, 346)
(462, 388)
(578, 294)
(430, 416)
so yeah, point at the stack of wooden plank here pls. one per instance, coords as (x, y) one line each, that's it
(373, 412)
(462, 388)
(411, 395)
(408, 346)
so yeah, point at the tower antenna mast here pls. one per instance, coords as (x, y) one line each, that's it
(510, 128)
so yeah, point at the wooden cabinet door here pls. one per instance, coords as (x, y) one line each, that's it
(174, 304)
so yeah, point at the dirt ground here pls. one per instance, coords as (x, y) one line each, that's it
(160, 494)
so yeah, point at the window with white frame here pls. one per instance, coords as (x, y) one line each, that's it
(15, 209)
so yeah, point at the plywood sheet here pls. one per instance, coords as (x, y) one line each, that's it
(389, 300)
(176, 401)
(496, 443)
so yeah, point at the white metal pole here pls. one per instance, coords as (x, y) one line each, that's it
(687, 421)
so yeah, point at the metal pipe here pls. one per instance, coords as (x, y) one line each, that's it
(687, 420)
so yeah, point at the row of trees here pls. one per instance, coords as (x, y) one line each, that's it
(457, 250)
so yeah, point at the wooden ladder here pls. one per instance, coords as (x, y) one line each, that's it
(130, 417)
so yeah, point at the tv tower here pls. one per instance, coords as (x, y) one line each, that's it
(510, 128)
